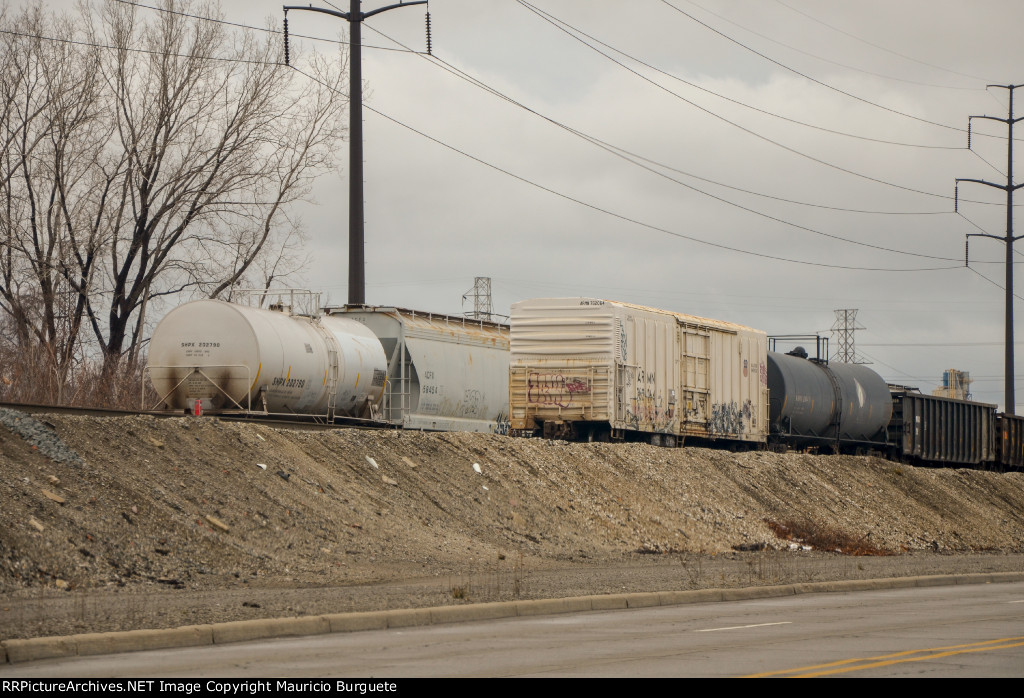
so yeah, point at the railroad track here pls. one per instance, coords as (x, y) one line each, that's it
(298, 421)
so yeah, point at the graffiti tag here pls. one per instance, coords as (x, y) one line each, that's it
(554, 389)
(576, 386)
(502, 424)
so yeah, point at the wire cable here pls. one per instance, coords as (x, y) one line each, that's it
(880, 48)
(136, 50)
(557, 23)
(738, 102)
(463, 75)
(622, 217)
(808, 77)
(618, 152)
(614, 150)
(253, 28)
(1000, 287)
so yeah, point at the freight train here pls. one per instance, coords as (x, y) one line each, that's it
(572, 368)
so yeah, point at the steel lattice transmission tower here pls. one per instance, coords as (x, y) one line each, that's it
(483, 309)
(844, 328)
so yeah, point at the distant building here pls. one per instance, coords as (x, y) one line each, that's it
(955, 384)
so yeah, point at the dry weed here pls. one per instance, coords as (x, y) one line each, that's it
(824, 537)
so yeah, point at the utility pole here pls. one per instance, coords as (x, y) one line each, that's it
(356, 261)
(1008, 240)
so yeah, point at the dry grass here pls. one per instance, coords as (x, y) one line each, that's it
(496, 582)
(824, 538)
(31, 379)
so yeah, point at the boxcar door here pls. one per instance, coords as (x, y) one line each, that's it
(694, 405)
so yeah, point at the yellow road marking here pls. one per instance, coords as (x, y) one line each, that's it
(842, 666)
(912, 659)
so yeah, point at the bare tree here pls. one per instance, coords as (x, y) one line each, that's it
(51, 131)
(146, 153)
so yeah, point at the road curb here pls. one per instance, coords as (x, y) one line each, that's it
(548, 607)
(263, 628)
(137, 640)
(471, 612)
(356, 622)
(38, 648)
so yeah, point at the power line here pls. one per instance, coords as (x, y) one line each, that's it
(135, 50)
(934, 344)
(975, 154)
(808, 77)
(730, 99)
(622, 153)
(253, 28)
(406, 49)
(610, 148)
(463, 75)
(625, 218)
(997, 285)
(881, 48)
(558, 24)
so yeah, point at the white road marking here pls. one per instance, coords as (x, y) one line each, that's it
(740, 627)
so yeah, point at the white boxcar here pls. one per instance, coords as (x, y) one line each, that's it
(444, 373)
(235, 357)
(592, 369)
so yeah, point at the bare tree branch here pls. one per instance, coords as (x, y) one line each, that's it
(132, 141)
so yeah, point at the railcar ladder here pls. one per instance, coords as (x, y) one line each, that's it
(398, 384)
(332, 379)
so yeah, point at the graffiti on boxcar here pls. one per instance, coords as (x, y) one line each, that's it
(576, 385)
(731, 418)
(502, 424)
(645, 377)
(725, 418)
(649, 409)
(750, 414)
(554, 389)
(632, 419)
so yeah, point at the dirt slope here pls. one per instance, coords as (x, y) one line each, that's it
(200, 504)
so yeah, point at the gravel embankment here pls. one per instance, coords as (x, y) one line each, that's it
(113, 523)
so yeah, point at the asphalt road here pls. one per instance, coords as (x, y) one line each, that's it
(973, 630)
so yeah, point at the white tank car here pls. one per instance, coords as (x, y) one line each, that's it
(231, 357)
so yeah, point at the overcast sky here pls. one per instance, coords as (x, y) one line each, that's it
(703, 96)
